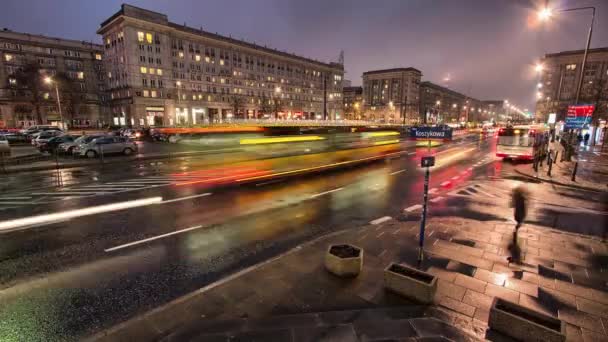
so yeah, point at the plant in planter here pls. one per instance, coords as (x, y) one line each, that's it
(344, 260)
(523, 324)
(410, 282)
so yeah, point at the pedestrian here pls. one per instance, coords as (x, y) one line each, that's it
(579, 138)
(519, 203)
(586, 138)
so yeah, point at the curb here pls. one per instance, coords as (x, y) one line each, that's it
(116, 328)
(556, 182)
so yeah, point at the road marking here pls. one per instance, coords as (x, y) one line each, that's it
(150, 239)
(326, 192)
(455, 177)
(380, 220)
(186, 198)
(111, 186)
(69, 193)
(14, 203)
(410, 153)
(397, 172)
(141, 182)
(412, 208)
(446, 183)
(470, 169)
(270, 182)
(433, 190)
(379, 235)
(15, 198)
(485, 193)
(66, 215)
(437, 199)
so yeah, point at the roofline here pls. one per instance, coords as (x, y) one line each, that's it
(56, 40)
(382, 71)
(216, 36)
(437, 86)
(575, 52)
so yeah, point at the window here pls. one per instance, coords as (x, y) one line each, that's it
(80, 75)
(98, 56)
(144, 82)
(158, 61)
(159, 72)
(143, 70)
(153, 93)
(146, 93)
(221, 62)
(198, 58)
(181, 54)
(142, 59)
(152, 71)
(8, 57)
(571, 67)
(207, 59)
(149, 38)
(12, 81)
(140, 36)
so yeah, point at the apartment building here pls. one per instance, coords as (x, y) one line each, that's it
(75, 67)
(163, 73)
(392, 95)
(441, 104)
(353, 102)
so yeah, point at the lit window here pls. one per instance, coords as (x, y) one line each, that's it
(159, 72)
(207, 59)
(198, 58)
(181, 54)
(193, 96)
(222, 81)
(98, 56)
(153, 93)
(46, 96)
(149, 38)
(143, 70)
(12, 81)
(200, 97)
(109, 74)
(152, 71)
(80, 75)
(146, 93)
(140, 36)
(8, 57)
(234, 73)
(221, 62)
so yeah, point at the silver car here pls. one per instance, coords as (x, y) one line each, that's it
(5, 148)
(68, 147)
(106, 145)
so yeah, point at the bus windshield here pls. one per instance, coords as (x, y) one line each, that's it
(515, 137)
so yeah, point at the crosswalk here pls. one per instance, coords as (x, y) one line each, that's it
(209, 176)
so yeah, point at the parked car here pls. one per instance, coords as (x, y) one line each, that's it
(52, 144)
(5, 147)
(16, 137)
(107, 145)
(44, 136)
(68, 147)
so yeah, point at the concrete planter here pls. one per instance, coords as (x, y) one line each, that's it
(344, 260)
(410, 282)
(524, 324)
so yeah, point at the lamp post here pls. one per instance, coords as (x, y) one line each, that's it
(277, 91)
(49, 80)
(546, 13)
(178, 84)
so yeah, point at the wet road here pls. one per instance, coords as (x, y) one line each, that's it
(69, 279)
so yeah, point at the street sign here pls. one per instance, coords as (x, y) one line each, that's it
(580, 111)
(552, 117)
(427, 161)
(577, 122)
(444, 133)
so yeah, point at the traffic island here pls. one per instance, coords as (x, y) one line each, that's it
(524, 324)
(344, 260)
(410, 282)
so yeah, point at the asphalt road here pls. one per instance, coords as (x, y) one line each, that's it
(87, 271)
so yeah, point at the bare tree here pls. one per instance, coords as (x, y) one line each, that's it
(29, 77)
(265, 106)
(71, 95)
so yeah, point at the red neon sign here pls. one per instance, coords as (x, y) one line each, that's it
(581, 111)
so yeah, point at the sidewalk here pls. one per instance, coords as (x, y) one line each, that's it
(562, 274)
(592, 172)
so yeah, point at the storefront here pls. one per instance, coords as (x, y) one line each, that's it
(155, 116)
(181, 116)
(199, 115)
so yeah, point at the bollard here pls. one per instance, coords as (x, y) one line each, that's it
(555, 159)
(574, 171)
(549, 164)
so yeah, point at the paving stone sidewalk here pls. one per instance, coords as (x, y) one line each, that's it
(563, 274)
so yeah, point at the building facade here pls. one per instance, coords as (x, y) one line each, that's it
(353, 102)
(439, 104)
(26, 61)
(391, 95)
(162, 73)
(559, 80)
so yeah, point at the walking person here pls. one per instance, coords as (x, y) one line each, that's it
(586, 138)
(519, 203)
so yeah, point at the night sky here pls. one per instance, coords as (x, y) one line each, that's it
(488, 47)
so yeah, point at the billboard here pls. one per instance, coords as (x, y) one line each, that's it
(551, 119)
(579, 116)
(582, 110)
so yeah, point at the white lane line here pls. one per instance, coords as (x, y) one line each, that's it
(150, 239)
(109, 186)
(446, 183)
(433, 190)
(410, 153)
(412, 208)
(380, 220)
(103, 189)
(470, 169)
(270, 182)
(186, 198)
(326, 192)
(141, 182)
(14, 203)
(397, 172)
(437, 199)
(455, 177)
(9, 198)
(485, 193)
(69, 193)
(66, 215)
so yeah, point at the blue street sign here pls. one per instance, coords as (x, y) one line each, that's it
(444, 133)
(577, 122)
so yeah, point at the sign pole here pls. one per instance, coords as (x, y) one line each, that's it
(426, 162)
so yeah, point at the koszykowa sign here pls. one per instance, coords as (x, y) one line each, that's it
(431, 132)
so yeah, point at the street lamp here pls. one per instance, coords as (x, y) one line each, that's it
(545, 13)
(49, 80)
(539, 67)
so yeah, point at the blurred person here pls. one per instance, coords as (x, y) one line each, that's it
(519, 202)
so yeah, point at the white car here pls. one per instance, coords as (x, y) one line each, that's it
(5, 147)
(44, 137)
